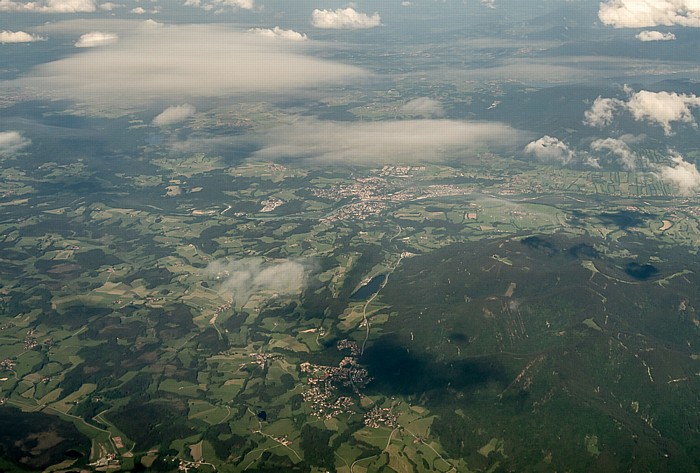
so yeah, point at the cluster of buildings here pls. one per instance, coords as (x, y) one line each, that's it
(322, 404)
(186, 465)
(30, 343)
(261, 359)
(372, 195)
(223, 307)
(349, 345)
(444, 190)
(358, 211)
(283, 440)
(106, 460)
(364, 188)
(381, 417)
(270, 204)
(325, 381)
(400, 171)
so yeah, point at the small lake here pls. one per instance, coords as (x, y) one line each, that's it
(366, 291)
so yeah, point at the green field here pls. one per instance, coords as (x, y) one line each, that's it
(135, 327)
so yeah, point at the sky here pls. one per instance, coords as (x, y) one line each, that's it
(460, 77)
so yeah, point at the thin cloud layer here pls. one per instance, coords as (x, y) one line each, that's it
(423, 107)
(403, 141)
(646, 36)
(247, 277)
(649, 13)
(202, 144)
(68, 28)
(95, 39)
(8, 37)
(279, 33)
(154, 62)
(660, 108)
(49, 6)
(619, 149)
(549, 149)
(174, 114)
(221, 5)
(344, 19)
(681, 174)
(12, 142)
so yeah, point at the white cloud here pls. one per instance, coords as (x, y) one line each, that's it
(661, 108)
(489, 3)
(138, 10)
(155, 63)
(18, 37)
(372, 143)
(646, 36)
(174, 114)
(618, 148)
(279, 33)
(344, 18)
(602, 112)
(252, 276)
(423, 107)
(96, 38)
(550, 150)
(681, 174)
(49, 6)
(109, 6)
(649, 13)
(11, 142)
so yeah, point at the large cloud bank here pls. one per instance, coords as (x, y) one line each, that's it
(649, 13)
(11, 142)
(660, 108)
(344, 18)
(49, 6)
(244, 278)
(403, 141)
(153, 62)
(17, 37)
